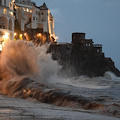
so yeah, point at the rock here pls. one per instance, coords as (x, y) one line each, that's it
(78, 60)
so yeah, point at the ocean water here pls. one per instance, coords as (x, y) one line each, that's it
(106, 87)
(28, 72)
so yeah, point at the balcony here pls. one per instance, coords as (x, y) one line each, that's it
(6, 11)
(97, 45)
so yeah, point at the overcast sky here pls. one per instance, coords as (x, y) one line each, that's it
(99, 19)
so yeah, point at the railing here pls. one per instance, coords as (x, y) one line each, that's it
(97, 45)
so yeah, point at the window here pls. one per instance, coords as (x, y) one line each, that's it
(30, 19)
(10, 5)
(2, 26)
(33, 18)
(10, 24)
(27, 10)
(98, 50)
(4, 11)
(42, 13)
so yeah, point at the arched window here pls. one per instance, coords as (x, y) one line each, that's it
(10, 24)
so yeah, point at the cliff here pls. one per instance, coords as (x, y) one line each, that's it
(77, 60)
(81, 57)
(88, 62)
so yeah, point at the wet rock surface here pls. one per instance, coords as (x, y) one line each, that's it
(79, 60)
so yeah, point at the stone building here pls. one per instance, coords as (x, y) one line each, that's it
(79, 38)
(6, 19)
(17, 16)
(30, 16)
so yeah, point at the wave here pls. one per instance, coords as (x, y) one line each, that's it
(29, 72)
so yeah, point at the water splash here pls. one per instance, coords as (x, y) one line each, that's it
(28, 72)
(20, 59)
(17, 60)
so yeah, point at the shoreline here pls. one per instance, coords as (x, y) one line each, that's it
(15, 108)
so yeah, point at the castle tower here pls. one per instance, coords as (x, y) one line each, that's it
(78, 38)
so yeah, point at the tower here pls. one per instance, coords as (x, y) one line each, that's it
(78, 38)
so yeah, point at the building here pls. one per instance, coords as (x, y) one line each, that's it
(30, 16)
(6, 21)
(79, 38)
(25, 15)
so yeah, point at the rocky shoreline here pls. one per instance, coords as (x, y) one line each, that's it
(78, 59)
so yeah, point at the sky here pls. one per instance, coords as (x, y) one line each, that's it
(99, 19)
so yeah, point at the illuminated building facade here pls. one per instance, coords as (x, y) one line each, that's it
(6, 19)
(30, 16)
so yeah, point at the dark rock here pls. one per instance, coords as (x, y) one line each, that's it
(80, 60)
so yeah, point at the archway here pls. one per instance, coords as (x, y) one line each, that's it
(3, 22)
(10, 24)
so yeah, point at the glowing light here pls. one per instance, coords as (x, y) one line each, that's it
(27, 10)
(39, 34)
(25, 34)
(0, 47)
(30, 11)
(15, 34)
(6, 36)
(20, 36)
(11, 13)
(3, 44)
(56, 38)
(4, 11)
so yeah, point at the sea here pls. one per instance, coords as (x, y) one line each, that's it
(29, 73)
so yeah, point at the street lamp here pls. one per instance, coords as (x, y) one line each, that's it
(39, 34)
(25, 34)
(15, 34)
(21, 36)
(6, 36)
